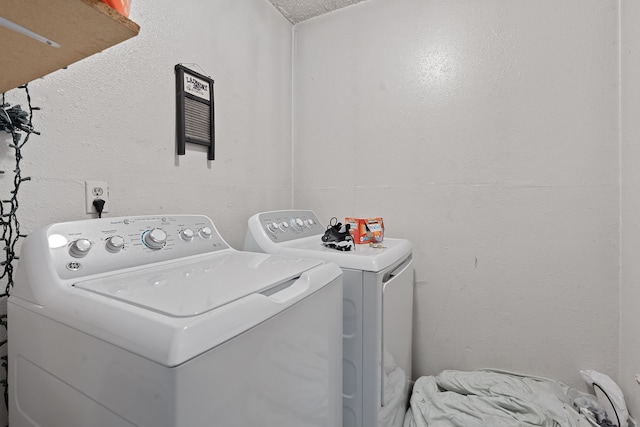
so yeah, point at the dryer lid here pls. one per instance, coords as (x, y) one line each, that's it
(190, 288)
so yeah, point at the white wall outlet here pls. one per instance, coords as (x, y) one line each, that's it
(96, 190)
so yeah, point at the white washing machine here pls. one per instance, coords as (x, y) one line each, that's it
(378, 302)
(154, 321)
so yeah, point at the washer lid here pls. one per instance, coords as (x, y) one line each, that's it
(190, 288)
(363, 258)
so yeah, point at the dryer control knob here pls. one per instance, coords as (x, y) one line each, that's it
(272, 227)
(114, 244)
(297, 224)
(206, 232)
(80, 248)
(284, 226)
(309, 223)
(155, 238)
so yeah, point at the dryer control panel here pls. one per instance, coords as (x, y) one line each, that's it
(283, 226)
(81, 248)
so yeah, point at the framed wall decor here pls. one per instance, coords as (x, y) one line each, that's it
(194, 110)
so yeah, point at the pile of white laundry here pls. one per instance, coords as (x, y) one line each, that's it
(503, 399)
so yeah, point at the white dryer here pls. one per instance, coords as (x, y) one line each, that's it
(378, 307)
(154, 321)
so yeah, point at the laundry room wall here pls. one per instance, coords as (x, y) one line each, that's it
(485, 132)
(111, 118)
(630, 230)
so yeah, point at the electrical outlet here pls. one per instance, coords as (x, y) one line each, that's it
(96, 190)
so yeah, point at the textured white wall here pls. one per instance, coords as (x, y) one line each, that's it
(630, 320)
(111, 117)
(487, 133)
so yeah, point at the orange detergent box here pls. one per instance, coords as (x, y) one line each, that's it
(366, 230)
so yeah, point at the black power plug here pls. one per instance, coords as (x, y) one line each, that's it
(99, 205)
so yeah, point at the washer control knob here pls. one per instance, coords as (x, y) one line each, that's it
(309, 223)
(284, 226)
(114, 244)
(206, 232)
(187, 234)
(80, 248)
(155, 238)
(272, 227)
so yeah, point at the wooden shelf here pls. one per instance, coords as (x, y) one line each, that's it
(81, 28)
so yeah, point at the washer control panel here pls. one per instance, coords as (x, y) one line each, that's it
(83, 248)
(283, 226)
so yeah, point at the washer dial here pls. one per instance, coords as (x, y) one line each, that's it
(155, 238)
(187, 234)
(80, 248)
(114, 244)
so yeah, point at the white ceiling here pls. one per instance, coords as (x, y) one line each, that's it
(299, 10)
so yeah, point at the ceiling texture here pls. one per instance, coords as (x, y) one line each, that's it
(300, 10)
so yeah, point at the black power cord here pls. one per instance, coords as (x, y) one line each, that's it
(99, 205)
